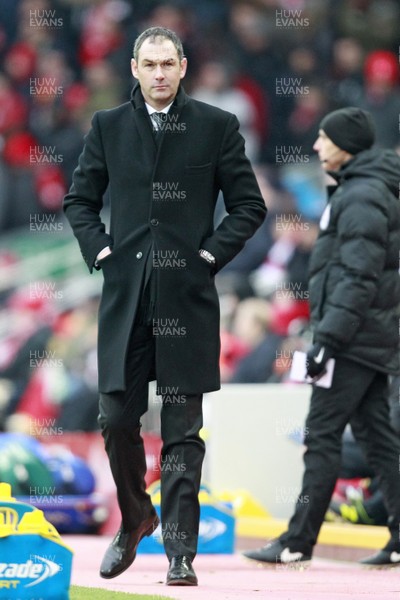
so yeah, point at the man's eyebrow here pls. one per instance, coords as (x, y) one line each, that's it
(164, 60)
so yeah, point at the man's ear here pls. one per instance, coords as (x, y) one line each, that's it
(183, 67)
(134, 68)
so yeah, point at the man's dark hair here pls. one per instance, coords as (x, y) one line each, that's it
(157, 32)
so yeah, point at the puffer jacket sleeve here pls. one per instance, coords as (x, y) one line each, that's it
(362, 230)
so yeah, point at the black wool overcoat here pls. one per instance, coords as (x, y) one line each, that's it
(162, 200)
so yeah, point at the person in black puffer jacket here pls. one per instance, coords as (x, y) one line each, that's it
(354, 290)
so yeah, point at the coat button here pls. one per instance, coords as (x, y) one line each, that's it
(139, 255)
(154, 222)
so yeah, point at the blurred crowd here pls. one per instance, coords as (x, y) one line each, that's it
(279, 65)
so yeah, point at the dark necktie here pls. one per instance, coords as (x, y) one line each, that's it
(158, 120)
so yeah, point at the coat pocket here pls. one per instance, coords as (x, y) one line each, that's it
(197, 169)
(105, 260)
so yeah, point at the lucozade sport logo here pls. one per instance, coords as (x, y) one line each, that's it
(12, 574)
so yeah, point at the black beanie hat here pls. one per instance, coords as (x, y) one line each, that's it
(351, 129)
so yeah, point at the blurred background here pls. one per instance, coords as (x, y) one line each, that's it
(279, 65)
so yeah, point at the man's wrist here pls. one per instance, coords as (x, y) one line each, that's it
(206, 255)
(102, 254)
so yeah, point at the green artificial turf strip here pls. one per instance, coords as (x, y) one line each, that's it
(85, 593)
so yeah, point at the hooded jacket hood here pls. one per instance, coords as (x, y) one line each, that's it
(375, 163)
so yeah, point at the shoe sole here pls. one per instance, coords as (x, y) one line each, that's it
(380, 567)
(180, 582)
(277, 566)
(147, 533)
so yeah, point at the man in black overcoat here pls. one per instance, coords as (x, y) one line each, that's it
(164, 158)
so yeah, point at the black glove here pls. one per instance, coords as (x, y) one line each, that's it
(317, 357)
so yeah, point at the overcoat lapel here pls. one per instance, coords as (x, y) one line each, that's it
(141, 119)
(143, 123)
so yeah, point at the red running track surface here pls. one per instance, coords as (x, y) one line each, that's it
(226, 577)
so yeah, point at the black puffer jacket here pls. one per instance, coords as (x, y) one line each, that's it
(354, 280)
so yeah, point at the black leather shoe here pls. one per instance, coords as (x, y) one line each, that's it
(181, 572)
(121, 552)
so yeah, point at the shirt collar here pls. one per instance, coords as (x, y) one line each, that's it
(152, 110)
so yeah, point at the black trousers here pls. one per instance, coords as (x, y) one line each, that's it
(358, 395)
(181, 456)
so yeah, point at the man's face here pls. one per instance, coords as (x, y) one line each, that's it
(159, 71)
(331, 156)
